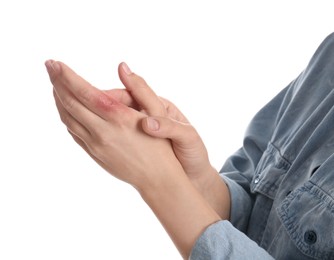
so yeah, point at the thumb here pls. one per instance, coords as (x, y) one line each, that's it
(180, 133)
(141, 92)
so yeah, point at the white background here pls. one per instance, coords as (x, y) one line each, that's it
(219, 61)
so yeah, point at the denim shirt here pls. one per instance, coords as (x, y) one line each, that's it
(281, 181)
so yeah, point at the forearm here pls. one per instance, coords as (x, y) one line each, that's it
(181, 209)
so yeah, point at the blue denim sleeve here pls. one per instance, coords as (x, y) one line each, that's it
(219, 241)
(239, 200)
(238, 170)
(259, 207)
(224, 239)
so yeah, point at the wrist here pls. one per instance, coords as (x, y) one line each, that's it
(181, 209)
(214, 190)
(203, 180)
(159, 176)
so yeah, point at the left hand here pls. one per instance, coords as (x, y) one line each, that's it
(166, 121)
(109, 131)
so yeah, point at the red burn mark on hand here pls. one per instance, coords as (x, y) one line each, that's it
(104, 102)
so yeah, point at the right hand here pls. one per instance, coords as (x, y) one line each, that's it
(165, 120)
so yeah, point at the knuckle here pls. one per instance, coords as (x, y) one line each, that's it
(104, 102)
(184, 131)
(69, 103)
(65, 119)
(98, 147)
(85, 95)
(191, 133)
(68, 121)
(101, 139)
(94, 150)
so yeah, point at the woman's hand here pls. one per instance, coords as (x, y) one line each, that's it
(166, 121)
(111, 134)
(109, 131)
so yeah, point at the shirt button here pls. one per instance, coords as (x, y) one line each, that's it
(310, 237)
(257, 179)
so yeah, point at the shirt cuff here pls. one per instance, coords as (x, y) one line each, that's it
(241, 204)
(222, 241)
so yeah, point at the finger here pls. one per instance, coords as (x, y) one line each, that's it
(123, 96)
(141, 92)
(71, 123)
(76, 109)
(90, 97)
(173, 112)
(79, 141)
(180, 133)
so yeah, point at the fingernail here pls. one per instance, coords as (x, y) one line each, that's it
(52, 66)
(48, 65)
(152, 124)
(126, 68)
(56, 66)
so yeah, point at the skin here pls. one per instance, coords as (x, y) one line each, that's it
(110, 127)
(167, 121)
